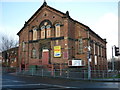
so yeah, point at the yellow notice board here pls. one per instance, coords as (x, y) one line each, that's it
(57, 51)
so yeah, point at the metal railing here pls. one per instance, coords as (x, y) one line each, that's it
(71, 74)
(65, 73)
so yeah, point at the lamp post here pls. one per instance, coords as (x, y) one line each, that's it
(88, 56)
(89, 68)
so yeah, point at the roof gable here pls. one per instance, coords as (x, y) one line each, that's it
(43, 6)
(65, 15)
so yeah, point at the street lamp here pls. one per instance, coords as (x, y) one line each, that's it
(88, 56)
(89, 68)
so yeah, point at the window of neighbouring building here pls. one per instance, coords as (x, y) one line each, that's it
(35, 34)
(33, 53)
(57, 30)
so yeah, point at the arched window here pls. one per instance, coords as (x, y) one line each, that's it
(57, 30)
(45, 27)
(48, 30)
(98, 50)
(43, 32)
(23, 46)
(33, 53)
(34, 33)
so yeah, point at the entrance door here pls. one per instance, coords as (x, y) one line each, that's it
(45, 56)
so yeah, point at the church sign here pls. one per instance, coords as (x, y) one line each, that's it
(57, 51)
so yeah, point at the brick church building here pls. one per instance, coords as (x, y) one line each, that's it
(52, 39)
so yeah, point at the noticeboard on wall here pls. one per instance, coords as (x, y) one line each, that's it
(57, 51)
(76, 63)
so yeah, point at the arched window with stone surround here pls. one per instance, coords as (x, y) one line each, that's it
(57, 30)
(33, 53)
(35, 33)
(43, 32)
(48, 27)
(45, 27)
(23, 46)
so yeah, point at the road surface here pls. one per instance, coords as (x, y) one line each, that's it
(20, 82)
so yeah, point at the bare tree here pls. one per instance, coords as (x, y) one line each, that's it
(7, 43)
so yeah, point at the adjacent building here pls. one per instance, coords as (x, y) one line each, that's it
(52, 39)
(10, 58)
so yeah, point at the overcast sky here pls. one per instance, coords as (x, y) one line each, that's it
(100, 16)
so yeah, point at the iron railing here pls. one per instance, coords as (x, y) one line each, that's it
(65, 73)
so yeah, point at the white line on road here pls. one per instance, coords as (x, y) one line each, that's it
(59, 86)
(19, 85)
(9, 80)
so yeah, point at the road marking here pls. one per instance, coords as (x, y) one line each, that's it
(18, 81)
(9, 80)
(13, 81)
(19, 85)
(59, 86)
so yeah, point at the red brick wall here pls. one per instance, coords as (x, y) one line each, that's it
(71, 30)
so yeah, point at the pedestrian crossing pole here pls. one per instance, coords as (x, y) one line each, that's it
(112, 59)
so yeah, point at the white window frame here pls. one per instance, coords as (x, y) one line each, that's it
(33, 53)
(43, 32)
(35, 34)
(95, 58)
(23, 46)
(48, 31)
(98, 50)
(57, 30)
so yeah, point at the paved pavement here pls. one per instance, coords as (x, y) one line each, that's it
(18, 82)
(107, 80)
